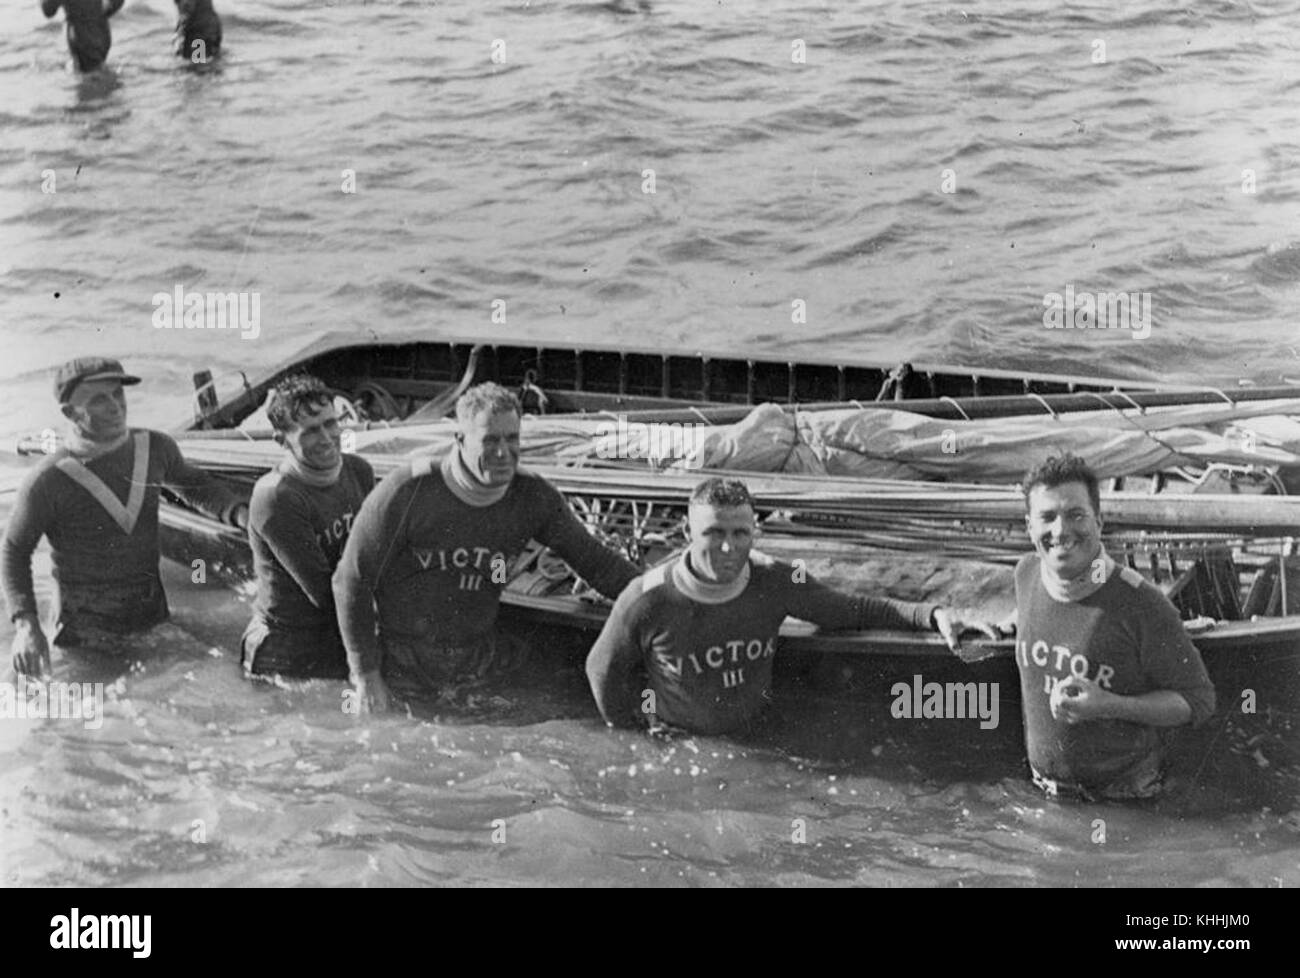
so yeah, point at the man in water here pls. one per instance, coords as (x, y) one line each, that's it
(89, 37)
(96, 499)
(690, 643)
(419, 585)
(299, 520)
(198, 31)
(1106, 667)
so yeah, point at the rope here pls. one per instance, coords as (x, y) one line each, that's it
(964, 416)
(1046, 407)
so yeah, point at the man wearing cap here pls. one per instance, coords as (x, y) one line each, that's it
(420, 581)
(96, 499)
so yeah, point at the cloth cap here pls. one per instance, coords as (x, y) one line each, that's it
(74, 372)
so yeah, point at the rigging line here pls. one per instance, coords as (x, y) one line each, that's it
(702, 416)
(1113, 407)
(1140, 410)
(1047, 407)
(1136, 406)
(257, 211)
(957, 407)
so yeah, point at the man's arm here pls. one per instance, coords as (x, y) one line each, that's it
(1182, 690)
(31, 515)
(283, 520)
(813, 601)
(608, 572)
(1172, 662)
(197, 487)
(1075, 700)
(613, 663)
(378, 531)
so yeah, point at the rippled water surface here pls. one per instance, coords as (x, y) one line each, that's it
(524, 180)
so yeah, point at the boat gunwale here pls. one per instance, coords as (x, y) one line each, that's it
(337, 341)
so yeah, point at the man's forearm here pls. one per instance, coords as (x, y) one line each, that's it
(1161, 708)
(355, 608)
(608, 676)
(16, 581)
(202, 491)
(608, 572)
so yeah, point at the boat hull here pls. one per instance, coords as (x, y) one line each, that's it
(187, 537)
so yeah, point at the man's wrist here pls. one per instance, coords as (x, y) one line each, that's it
(27, 619)
(1112, 706)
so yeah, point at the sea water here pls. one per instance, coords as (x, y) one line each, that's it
(896, 181)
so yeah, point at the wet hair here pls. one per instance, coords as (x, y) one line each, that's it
(722, 494)
(1057, 471)
(291, 396)
(490, 397)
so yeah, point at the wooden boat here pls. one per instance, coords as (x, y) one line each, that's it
(1227, 560)
(411, 378)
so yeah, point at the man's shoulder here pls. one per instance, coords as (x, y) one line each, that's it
(771, 573)
(270, 489)
(649, 588)
(533, 486)
(358, 466)
(1137, 593)
(424, 469)
(39, 477)
(654, 578)
(158, 440)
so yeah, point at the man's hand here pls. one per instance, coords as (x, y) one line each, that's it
(1076, 699)
(31, 651)
(372, 693)
(951, 622)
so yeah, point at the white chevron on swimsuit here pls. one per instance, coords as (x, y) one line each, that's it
(124, 516)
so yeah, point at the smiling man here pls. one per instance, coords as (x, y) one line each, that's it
(96, 499)
(419, 585)
(1106, 667)
(690, 643)
(299, 520)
